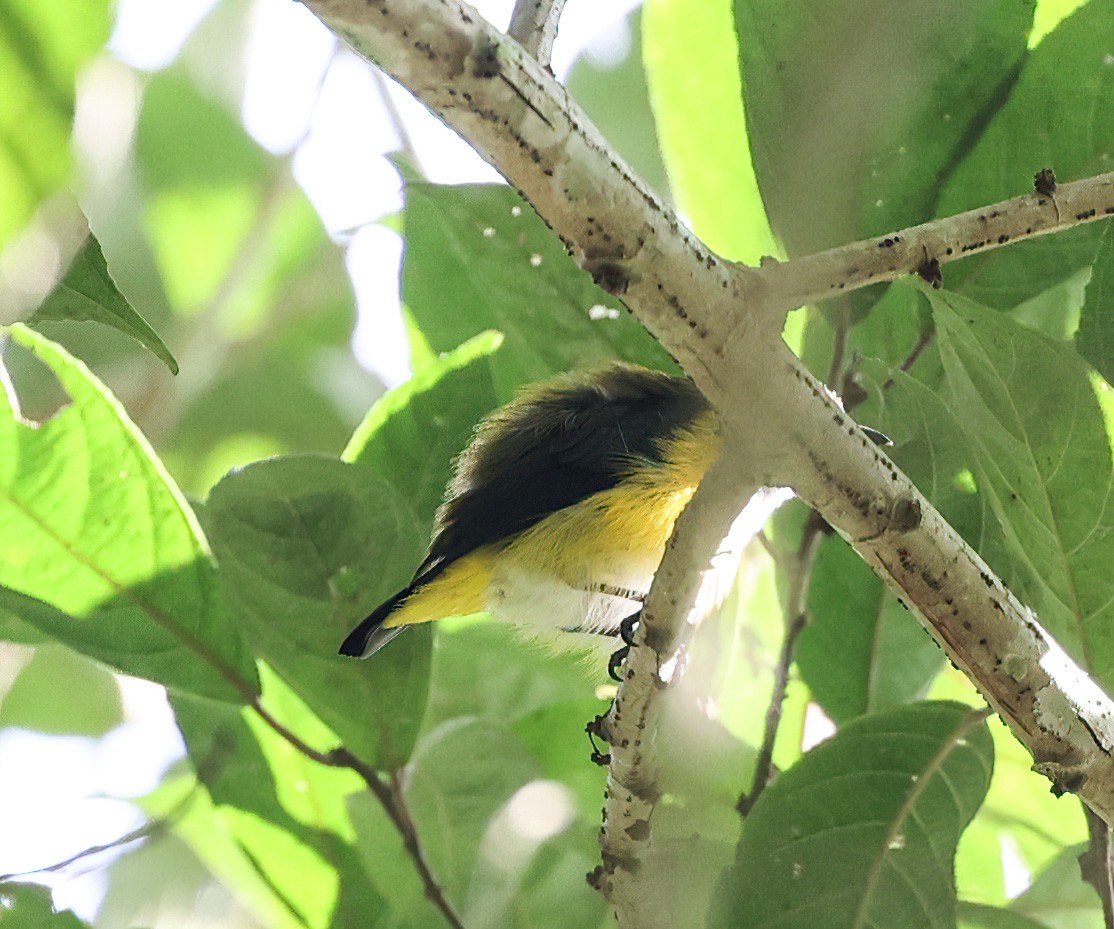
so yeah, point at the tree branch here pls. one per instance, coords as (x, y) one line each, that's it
(722, 322)
(629, 726)
(534, 27)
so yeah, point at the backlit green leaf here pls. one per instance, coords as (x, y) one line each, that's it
(692, 69)
(91, 524)
(412, 434)
(286, 812)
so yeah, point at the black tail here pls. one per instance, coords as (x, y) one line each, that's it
(370, 636)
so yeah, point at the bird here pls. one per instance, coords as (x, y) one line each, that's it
(559, 509)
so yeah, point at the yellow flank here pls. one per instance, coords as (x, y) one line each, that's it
(458, 591)
(600, 537)
(631, 521)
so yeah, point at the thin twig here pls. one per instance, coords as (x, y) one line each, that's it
(390, 797)
(839, 343)
(153, 828)
(922, 343)
(534, 27)
(796, 618)
(394, 115)
(207, 766)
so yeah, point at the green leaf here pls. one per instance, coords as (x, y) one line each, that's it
(221, 154)
(61, 693)
(1037, 440)
(926, 445)
(87, 293)
(91, 524)
(857, 109)
(863, 829)
(16, 610)
(199, 824)
(412, 434)
(308, 546)
(1094, 339)
(1060, 898)
(28, 906)
(861, 651)
(225, 220)
(1055, 117)
(981, 916)
(691, 54)
(478, 257)
(42, 47)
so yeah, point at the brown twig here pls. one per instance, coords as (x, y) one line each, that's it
(911, 359)
(153, 828)
(796, 618)
(391, 798)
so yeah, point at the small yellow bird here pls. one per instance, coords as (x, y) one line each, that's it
(560, 508)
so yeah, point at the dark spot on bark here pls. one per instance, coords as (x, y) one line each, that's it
(1044, 182)
(929, 271)
(485, 60)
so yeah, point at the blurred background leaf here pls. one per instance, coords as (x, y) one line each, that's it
(42, 47)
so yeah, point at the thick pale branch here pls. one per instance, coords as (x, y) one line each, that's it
(630, 725)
